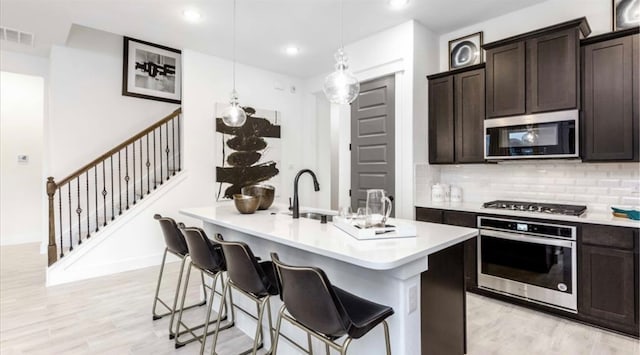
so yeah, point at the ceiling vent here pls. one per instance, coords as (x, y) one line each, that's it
(15, 36)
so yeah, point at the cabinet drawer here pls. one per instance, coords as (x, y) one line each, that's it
(461, 219)
(615, 237)
(428, 215)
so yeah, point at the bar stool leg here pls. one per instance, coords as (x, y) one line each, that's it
(184, 295)
(257, 340)
(175, 298)
(274, 344)
(386, 336)
(215, 336)
(309, 342)
(345, 345)
(207, 320)
(155, 299)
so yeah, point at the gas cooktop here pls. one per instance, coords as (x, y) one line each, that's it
(570, 210)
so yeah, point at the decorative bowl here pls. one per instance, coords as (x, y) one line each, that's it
(266, 193)
(246, 204)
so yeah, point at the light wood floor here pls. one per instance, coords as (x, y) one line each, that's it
(112, 315)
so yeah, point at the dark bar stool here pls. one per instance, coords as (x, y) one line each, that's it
(176, 245)
(207, 257)
(325, 311)
(252, 278)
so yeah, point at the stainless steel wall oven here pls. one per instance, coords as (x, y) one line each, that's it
(529, 260)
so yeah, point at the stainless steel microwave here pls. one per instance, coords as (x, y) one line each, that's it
(544, 135)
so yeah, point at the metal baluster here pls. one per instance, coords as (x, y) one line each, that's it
(155, 166)
(173, 143)
(141, 176)
(179, 150)
(133, 155)
(79, 211)
(126, 172)
(104, 193)
(119, 183)
(160, 152)
(86, 174)
(95, 189)
(113, 210)
(70, 229)
(167, 149)
(148, 164)
(60, 215)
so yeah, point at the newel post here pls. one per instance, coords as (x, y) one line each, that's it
(52, 249)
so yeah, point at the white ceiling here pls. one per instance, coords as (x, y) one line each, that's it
(265, 27)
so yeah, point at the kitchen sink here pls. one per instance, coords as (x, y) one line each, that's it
(313, 215)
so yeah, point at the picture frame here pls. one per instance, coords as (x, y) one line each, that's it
(466, 51)
(151, 71)
(618, 19)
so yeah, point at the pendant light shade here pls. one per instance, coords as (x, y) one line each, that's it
(341, 87)
(234, 115)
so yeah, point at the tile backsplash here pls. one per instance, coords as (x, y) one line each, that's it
(596, 185)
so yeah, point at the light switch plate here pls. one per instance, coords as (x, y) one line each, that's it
(413, 299)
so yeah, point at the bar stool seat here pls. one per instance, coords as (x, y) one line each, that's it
(327, 312)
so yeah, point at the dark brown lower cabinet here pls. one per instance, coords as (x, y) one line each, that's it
(608, 280)
(461, 219)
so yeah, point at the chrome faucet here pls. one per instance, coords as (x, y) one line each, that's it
(316, 187)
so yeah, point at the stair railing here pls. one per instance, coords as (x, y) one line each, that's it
(102, 190)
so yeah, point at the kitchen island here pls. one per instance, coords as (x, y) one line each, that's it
(421, 277)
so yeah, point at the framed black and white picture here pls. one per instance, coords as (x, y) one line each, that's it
(465, 51)
(626, 14)
(151, 71)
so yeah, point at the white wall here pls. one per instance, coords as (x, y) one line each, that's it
(548, 13)
(407, 51)
(88, 114)
(21, 133)
(206, 80)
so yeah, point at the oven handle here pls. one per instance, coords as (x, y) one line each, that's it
(527, 238)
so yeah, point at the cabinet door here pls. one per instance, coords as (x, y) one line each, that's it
(506, 80)
(607, 291)
(610, 123)
(553, 63)
(469, 116)
(469, 220)
(441, 120)
(431, 215)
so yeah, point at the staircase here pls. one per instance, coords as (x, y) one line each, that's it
(87, 201)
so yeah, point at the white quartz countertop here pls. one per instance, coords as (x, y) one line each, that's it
(588, 217)
(327, 240)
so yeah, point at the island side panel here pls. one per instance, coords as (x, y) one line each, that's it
(443, 303)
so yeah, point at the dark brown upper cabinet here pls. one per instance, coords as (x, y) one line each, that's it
(535, 72)
(610, 116)
(456, 116)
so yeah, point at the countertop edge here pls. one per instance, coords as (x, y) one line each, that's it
(477, 208)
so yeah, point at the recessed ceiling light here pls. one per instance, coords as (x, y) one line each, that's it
(398, 4)
(191, 15)
(292, 50)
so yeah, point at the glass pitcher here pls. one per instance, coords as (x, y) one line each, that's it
(379, 206)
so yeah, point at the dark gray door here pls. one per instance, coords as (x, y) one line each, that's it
(372, 140)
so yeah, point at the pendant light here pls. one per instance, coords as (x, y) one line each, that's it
(341, 86)
(234, 115)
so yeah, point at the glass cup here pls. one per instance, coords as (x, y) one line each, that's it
(363, 217)
(346, 213)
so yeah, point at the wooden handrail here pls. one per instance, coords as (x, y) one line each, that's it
(119, 147)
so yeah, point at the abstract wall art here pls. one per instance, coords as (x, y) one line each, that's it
(249, 154)
(151, 71)
(626, 14)
(465, 51)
